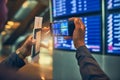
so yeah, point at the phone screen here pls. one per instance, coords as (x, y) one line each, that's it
(64, 28)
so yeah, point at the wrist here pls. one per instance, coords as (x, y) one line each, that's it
(79, 44)
(21, 53)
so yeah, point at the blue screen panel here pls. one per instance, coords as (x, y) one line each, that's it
(113, 4)
(92, 35)
(93, 32)
(113, 33)
(61, 43)
(70, 7)
(60, 27)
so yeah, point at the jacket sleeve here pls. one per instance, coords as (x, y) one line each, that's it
(13, 62)
(89, 68)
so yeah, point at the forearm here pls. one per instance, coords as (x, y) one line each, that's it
(13, 62)
(89, 68)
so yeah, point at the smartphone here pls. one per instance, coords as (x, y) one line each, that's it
(63, 28)
(36, 46)
(37, 36)
(71, 27)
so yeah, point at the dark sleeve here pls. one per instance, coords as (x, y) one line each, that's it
(89, 68)
(13, 62)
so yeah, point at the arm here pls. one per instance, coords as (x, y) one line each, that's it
(89, 68)
(13, 61)
(16, 60)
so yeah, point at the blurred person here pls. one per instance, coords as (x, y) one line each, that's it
(3, 18)
(3, 13)
(10, 66)
(13, 65)
(89, 68)
(16, 60)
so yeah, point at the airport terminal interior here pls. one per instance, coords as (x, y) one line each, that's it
(56, 57)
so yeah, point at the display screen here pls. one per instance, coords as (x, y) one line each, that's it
(113, 33)
(36, 46)
(113, 4)
(92, 35)
(61, 43)
(64, 28)
(60, 28)
(70, 7)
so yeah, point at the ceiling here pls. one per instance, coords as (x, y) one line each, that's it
(13, 7)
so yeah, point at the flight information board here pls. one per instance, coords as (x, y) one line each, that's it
(113, 4)
(92, 35)
(61, 43)
(60, 28)
(69, 7)
(113, 33)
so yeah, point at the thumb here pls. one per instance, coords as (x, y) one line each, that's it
(67, 37)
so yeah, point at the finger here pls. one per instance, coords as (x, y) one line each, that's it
(67, 37)
(48, 32)
(30, 37)
(76, 21)
(82, 24)
(28, 41)
(79, 24)
(45, 29)
(33, 41)
(43, 45)
(73, 18)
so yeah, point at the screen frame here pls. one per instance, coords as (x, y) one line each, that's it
(106, 50)
(78, 15)
(100, 52)
(71, 15)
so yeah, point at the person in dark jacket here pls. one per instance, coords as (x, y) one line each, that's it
(3, 13)
(16, 60)
(10, 66)
(89, 68)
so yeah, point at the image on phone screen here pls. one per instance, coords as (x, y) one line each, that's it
(64, 28)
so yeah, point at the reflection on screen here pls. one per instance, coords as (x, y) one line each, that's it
(113, 4)
(60, 28)
(69, 7)
(92, 37)
(61, 43)
(113, 33)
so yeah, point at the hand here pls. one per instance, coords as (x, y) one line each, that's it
(79, 32)
(25, 49)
